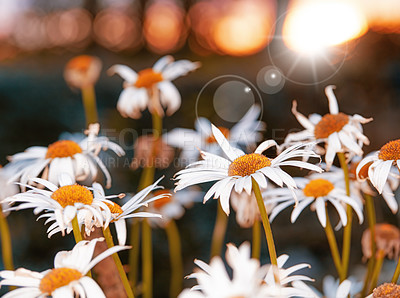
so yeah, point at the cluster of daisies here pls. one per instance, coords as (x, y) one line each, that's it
(53, 182)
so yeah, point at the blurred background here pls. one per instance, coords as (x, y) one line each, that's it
(252, 51)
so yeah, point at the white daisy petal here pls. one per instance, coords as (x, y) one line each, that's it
(321, 211)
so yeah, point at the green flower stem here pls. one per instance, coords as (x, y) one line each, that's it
(218, 236)
(147, 178)
(347, 228)
(370, 268)
(6, 247)
(89, 104)
(330, 235)
(377, 270)
(396, 273)
(175, 253)
(75, 229)
(256, 245)
(117, 261)
(370, 210)
(266, 224)
(134, 253)
(147, 259)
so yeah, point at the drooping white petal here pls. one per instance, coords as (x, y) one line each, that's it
(169, 97)
(333, 105)
(124, 72)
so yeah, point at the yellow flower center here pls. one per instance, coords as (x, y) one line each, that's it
(390, 151)
(114, 208)
(71, 194)
(329, 124)
(147, 78)
(80, 63)
(211, 139)
(58, 278)
(248, 164)
(318, 188)
(158, 204)
(386, 290)
(64, 148)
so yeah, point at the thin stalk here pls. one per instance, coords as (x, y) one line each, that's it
(396, 273)
(134, 253)
(117, 261)
(265, 221)
(349, 213)
(367, 279)
(256, 245)
(89, 104)
(330, 235)
(147, 257)
(147, 178)
(377, 270)
(370, 210)
(6, 247)
(175, 253)
(75, 229)
(218, 236)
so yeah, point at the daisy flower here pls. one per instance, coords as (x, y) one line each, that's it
(67, 278)
(333, 288)
(7, 189)
(286, 287)
(82, 71)
(360, 186)
(151, 87)
(236, 172)
(247, 132)
(317, 191)
(386, 290)
(61, 203)
(79, 160)
(380, 164)
(172, 205)
(214, 281)
(387, 239)
(339, 132)
(118, 214)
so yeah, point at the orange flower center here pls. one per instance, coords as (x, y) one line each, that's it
(114, 208)
(248, 164)
(386, 290)
(80, 63)
(211, 139)
(318, 188)
(64, 148)
(363, 173)
(71, 194)
(58, 278)
(390, 151)
(329, 124)
(158, 204)
(147, 78)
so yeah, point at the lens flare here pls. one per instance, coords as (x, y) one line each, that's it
(312, 26)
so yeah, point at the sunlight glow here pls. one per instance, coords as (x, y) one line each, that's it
(312, 26)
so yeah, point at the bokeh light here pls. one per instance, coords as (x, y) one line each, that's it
(245, 28)
(164, 26)
(312, 26)
(69, 28)
(118, 30)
